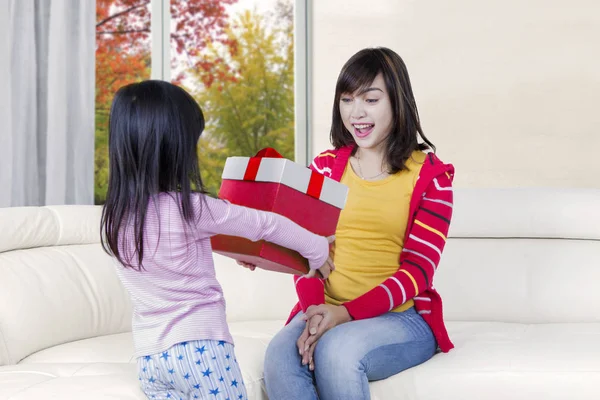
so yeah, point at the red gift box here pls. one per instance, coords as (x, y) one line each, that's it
(271, 183)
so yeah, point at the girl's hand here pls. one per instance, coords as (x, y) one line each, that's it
(326, 268)
(251, 267)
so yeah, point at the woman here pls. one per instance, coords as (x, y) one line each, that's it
(377, 314)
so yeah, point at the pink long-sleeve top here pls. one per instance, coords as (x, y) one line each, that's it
(176, 297)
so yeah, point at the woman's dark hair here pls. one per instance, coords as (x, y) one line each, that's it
(358, 73)
(154, 127)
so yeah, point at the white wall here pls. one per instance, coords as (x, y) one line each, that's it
(508, 90)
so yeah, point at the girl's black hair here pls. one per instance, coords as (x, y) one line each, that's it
(154, 127)
(358, 73)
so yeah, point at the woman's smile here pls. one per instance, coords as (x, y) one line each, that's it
(363, 130)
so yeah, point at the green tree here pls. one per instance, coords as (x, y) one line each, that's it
(247, 92)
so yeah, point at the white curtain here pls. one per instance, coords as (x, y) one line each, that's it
(47, 72)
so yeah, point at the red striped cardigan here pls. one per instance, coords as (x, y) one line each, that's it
(426, 232)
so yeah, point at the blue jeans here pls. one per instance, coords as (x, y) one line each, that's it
(347, 357)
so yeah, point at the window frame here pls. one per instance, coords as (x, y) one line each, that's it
(160, 31)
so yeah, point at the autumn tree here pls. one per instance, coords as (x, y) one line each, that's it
(123, 53)
(248, 91)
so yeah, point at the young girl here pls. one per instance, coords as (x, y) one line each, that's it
(157, 222)
(378, 313)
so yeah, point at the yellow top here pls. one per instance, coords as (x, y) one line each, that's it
(370, 232)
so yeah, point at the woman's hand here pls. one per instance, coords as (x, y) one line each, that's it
(332, 317)
(319, 319)
(305, 350)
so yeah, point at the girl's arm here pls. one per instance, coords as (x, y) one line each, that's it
(221, 217)
(311, 291)
(420, 256)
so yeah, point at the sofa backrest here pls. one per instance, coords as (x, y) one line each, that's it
(528, 255)
(523, 255)
(514, 255)
(56, 283)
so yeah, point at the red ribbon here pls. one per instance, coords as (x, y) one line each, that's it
(268, 152)
(315, 184)
(254, 163)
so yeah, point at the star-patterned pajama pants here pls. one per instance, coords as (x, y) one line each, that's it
(202, 369)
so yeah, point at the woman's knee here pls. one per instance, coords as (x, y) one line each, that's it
(335, 356)
(279, 348)
(339, 373)
(282, 351)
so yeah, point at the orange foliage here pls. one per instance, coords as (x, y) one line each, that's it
(123, 39)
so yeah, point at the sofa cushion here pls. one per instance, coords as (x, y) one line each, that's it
(55, 295)
(500, 361)
(90, 361)
(492, 360)
(69, 382)
(116, 348)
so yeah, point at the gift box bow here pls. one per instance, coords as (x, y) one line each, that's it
(270, 166)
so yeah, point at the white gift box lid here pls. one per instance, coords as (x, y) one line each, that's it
(286, 172)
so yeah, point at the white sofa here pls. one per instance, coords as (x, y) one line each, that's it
(520, 278)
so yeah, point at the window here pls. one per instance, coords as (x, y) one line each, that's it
(235, 56)
(122, 56)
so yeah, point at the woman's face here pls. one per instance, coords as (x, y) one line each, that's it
(367, 114)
